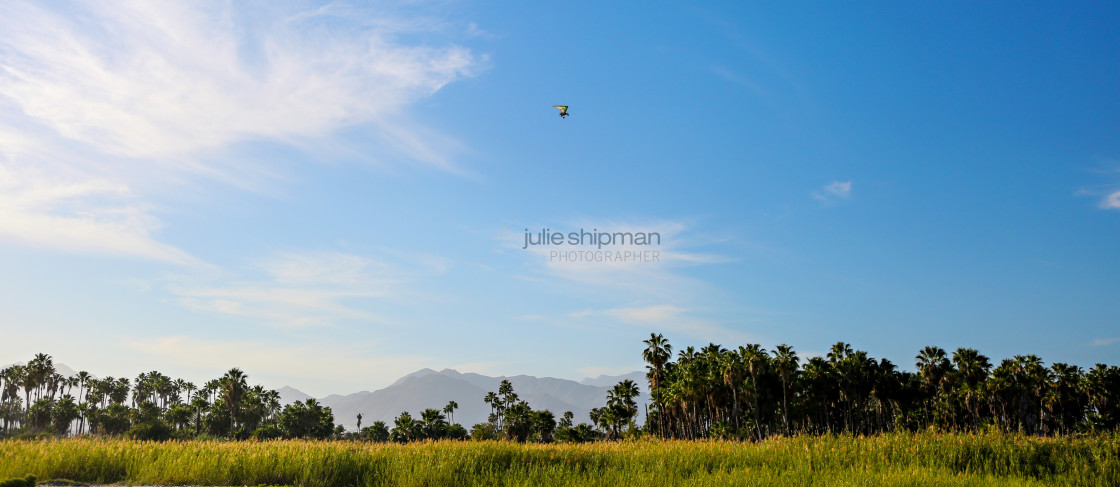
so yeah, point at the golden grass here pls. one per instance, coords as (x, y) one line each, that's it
(894, 459)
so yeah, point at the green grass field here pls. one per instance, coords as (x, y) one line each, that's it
(895, 459)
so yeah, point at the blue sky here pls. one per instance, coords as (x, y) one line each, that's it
(331, 195)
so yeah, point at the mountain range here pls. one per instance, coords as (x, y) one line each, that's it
(427, 388)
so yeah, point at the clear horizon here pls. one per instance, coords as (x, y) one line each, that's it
(309, 189)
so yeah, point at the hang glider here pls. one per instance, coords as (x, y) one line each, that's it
(563, 110)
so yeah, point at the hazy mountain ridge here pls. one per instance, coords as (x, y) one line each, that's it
(639, 377)
(289, 395)
(427, 388)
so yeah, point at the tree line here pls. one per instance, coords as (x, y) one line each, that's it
(749, 392)
(36, 399)
(743, 393)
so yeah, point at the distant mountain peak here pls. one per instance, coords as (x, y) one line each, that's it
(427, 388)
(289, 395)
(419, 373)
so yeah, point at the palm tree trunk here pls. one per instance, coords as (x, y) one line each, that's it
(735, 408)
(785, 407)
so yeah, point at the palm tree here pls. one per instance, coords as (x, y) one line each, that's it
(838, 352)
(233, 387)
(449, 409)
(404, 428)
(272, 403)
(1032, 379)
(972, 370)
(785, 363)
(84, 410)
(731, 368)
(607, 419)
(55, 383)
(30, 381)
(190, 388)
(70, 383)
(40, 369)
(63, 414)
(492, 399)
(544, 425)
(508, 399)
(83, 379)
(932, 364)
(433, 423)
(199, 405)
(854, 372)
(620, 408)
(1102, 386)
(886, 385)
(11, 378)
(118, 391)
(211, 388)
(18, 376)
(817, 374)
(756, 358)
(658, 351)
(505, 390)
(1065, 399)
(180, 415)
(179, 387)
(625, 392)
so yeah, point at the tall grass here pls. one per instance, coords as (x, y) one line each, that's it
(910, 459)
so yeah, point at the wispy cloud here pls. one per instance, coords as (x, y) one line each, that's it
(1111, 202)
(647, 314)
(99, 101)
(1107, 190)
(150, 80)
(301, 289)
(1100, 342)
(73, 213)
(834, 192)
